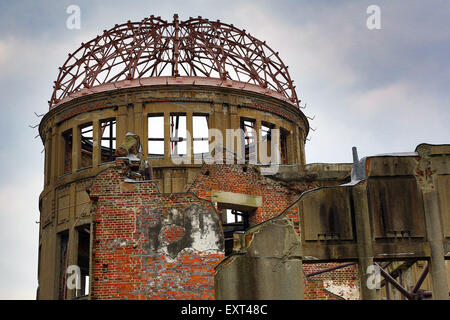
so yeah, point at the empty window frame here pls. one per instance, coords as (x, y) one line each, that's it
(265, 143)
(67, 148)
(86, 145)
(83, 255)
(283, 145)
(155, 136)
(178, 145)
(266, 131)
(200, 136)
(249, 134)
(108, 139)
(233, 220)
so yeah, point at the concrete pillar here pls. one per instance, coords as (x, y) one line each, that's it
(76, 148)
(290, 148)
(437, 267)
(97, 144)
(166, 136)
(60, 154)
(121, 124)
(167, 180)
(72, 250)
(189, 137)
(48, 156)
(297, 148)
(130, 119)
(302, 146)
(235, 124)
(277, 142)
(54, 156)
(139, 123)
(364, 240)
(258, 138)
(425, 173)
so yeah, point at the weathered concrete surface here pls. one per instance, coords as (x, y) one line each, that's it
(237, 199)
(268, 265)
(318, 172)
(400, 211)
(434, 162)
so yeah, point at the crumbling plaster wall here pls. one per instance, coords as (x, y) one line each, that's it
(150, 245)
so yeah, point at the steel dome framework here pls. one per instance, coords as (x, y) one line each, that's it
(154, 47)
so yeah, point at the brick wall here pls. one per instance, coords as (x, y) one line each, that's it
(150, 245)
(276, 196)
(338, 284)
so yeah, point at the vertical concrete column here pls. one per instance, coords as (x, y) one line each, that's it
(139, 124)
(296, 142)
(278, 142)
(48, 279)
(216, 123)
(190, 137)
(258, 138)
(302, 145)
(122, 124)
(235, 124)
(167, 180)
(437, 267)
(54, 157)
(130, 118)
(60, 153)
(290, 148)
(425, 173)
(76, 148)
(48, 156)
(91, 257)
(166, 136)
(364, 240)
(97, 143)
(211, 125)
(72, 256)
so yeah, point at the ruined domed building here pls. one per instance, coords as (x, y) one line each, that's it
(175, 169)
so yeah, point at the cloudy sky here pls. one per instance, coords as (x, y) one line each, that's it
(382, 90)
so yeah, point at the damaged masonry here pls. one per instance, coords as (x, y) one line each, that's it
(177, 177)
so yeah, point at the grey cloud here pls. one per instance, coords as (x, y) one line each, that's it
(383, 90)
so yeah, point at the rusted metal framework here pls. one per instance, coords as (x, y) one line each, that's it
(154, 47)
(414, 293)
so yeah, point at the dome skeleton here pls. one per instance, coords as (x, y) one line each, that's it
(154, 47)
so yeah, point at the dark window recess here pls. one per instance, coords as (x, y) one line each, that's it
(83, 258)
(177, 135)
(108, 139)
(200, 136)
(67, 139)
(249, 133)
(232, 221)
(63, 243)
(156, 136)
(86, 137)
(283, 146)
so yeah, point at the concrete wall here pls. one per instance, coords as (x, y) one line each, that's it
(263, 268)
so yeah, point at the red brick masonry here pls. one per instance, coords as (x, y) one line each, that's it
(149, 245)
